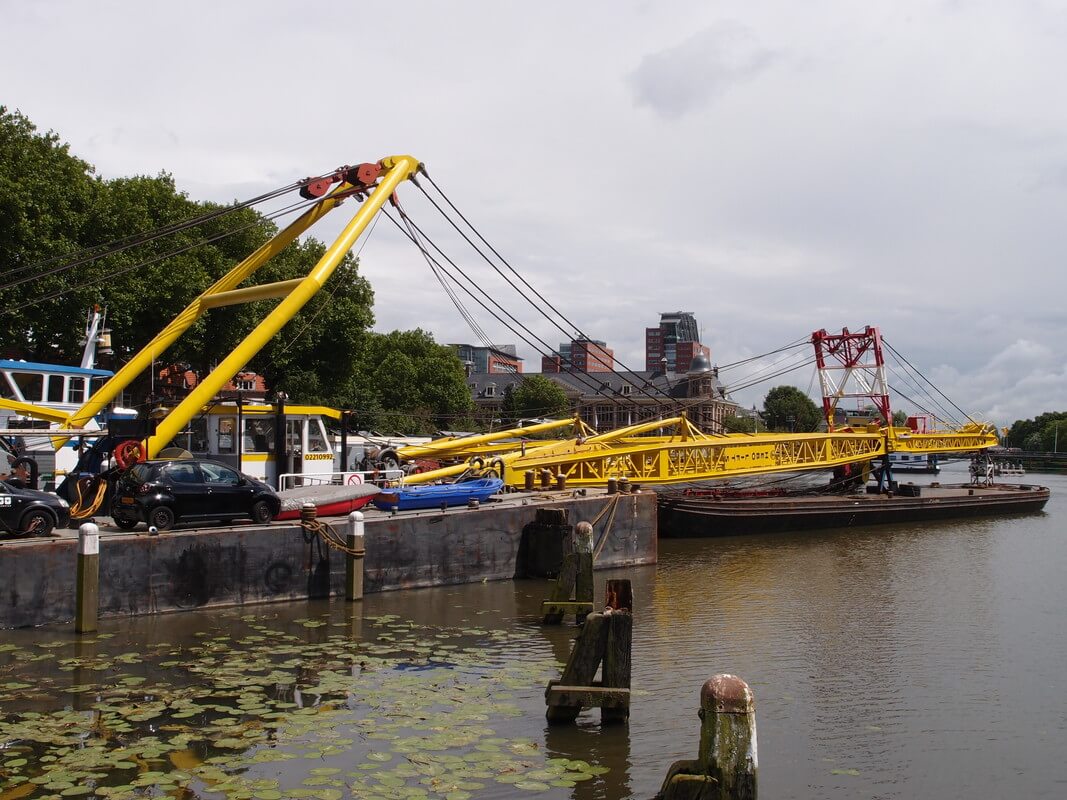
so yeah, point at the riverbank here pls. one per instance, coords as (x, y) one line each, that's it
(246, 564)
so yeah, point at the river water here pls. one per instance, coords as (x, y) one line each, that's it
(887, 662)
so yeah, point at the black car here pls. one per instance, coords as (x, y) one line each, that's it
(27, 512)
(162, 493)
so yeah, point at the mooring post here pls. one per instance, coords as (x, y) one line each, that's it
(528, 480)
(726, 765)
(546, 478)
(619, 602)
(354, 557)
(583, 547)
(575, 578)
(87, 603)
(605, 638)
(613, 485)
(561, 481)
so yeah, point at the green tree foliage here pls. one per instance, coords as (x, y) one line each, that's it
(406, 382)
(786, 408)
(735, 424)
(52, 205)
(46, 199)
(1043, 433)
(899, 419)
(535, 396)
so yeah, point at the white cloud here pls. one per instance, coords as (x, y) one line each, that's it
(775, 168)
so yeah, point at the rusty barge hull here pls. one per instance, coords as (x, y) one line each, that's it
(686, 515)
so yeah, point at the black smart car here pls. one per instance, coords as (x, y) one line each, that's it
(162, 493)
(27, 512)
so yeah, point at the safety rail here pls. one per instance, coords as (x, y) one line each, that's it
(383, 477)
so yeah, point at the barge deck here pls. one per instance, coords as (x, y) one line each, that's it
(707, 513)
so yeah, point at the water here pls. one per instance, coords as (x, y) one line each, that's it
(889, 662)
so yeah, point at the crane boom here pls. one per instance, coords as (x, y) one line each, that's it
(376, 182)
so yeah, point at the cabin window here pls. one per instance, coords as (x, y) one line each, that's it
(227, 443)
(76, 390)
(198, 439)
(30, 386)
(259, 435)
(96, 383)
(293, 436)
(7, 388)
(55, 388)
(317, 442)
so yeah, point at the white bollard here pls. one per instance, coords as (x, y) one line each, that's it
(354, 560)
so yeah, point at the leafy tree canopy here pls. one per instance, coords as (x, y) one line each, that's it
(786, 408)
(406, 382)
(1043, 433)
(535, 396)
(53, 206)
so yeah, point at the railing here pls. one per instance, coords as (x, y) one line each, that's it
(291, 480)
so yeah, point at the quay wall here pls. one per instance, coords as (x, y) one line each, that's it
(237, 565)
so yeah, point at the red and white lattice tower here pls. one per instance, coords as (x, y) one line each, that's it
(851, 365)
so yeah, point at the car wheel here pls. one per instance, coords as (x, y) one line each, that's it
(161, 518)
(125, 524)
(36, 522)
(262, 512)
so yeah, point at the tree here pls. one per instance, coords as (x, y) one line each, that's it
(46, 195)
(52, 205)
(734, 424)
(1043, 433)
(535, 396)
(786, 408)
(407, 382)
(900, 419)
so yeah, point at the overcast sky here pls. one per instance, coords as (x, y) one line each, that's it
(773, 167)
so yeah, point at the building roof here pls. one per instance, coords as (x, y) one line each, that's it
(609, 384)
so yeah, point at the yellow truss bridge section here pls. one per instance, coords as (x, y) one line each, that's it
(644, 454)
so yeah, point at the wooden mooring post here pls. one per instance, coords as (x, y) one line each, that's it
(604, 641)
(87, 579)
(726, 764)
(573, 591)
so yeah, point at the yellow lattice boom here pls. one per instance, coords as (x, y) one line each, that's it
(684, 454)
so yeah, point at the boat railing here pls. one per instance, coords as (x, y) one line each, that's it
(384, 477)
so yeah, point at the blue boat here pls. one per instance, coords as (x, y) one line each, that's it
(405, 498)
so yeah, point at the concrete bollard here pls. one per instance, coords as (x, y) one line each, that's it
(726, 765)
(87, 602)
(354, 558)
(528, 480)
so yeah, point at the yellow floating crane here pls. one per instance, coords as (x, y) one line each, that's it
(661, 451)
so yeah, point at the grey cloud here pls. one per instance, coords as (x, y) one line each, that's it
(688, 76)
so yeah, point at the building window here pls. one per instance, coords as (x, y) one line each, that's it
(626, 389)
(246, 386)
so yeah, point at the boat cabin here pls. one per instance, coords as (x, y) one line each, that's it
(246, 437)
